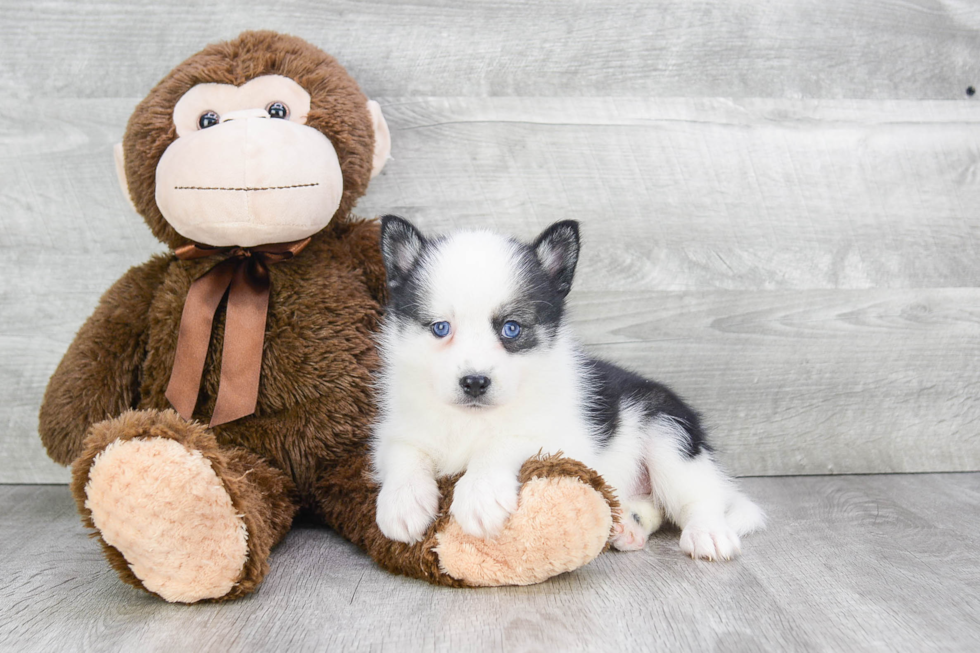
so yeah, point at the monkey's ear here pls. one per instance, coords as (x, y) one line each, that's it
(117, 152)
(382, 138)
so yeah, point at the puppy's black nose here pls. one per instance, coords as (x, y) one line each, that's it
(475, 385)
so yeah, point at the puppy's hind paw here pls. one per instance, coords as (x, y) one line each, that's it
(704, 541)
(629, 535)
(638, 519)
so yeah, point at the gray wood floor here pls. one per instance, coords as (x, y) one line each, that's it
(851, 563)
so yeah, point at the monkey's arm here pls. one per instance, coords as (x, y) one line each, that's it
(365, 244)
(99, 376)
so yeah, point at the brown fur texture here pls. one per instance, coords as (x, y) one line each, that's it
(103, 365)
(337, 108)
(306, 446)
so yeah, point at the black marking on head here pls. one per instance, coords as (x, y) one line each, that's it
(538, 306)
(401, 248)
(613, 385)
(557, 251)
(404, 248)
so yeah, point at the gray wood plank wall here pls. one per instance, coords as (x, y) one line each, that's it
(779, 198)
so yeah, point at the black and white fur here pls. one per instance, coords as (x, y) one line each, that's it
(477, 401)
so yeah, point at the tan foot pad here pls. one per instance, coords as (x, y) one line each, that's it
(560, 525)
(166, 511)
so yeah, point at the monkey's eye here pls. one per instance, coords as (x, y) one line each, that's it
(277, 110)
(208, 119)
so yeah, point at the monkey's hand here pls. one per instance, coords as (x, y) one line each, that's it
(99, 375)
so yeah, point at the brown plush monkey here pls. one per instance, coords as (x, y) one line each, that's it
(247, 160)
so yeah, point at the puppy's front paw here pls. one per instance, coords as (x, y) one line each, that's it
(482, 503)
(406, 509)
(710, 540)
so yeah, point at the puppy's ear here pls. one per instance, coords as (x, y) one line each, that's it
(557, 251)
(401, 246)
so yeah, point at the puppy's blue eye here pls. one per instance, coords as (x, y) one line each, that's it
(440, 329)
(511, 330)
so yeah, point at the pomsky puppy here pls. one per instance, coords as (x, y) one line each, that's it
(480, 373)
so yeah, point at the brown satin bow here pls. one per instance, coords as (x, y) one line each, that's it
(246, 271)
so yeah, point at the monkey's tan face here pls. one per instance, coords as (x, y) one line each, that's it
(245, 169)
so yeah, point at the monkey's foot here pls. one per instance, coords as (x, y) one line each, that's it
(563, 521)
(177, 514)
(163, 507)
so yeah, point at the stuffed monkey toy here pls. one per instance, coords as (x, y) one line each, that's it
(219, 389)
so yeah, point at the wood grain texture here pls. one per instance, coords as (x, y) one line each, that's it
(686, 194)
(921, 49)
(805, 272)
(883, 563)
(798, 382)
(66, 234)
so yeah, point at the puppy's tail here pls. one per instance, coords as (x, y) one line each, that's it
(744, 516)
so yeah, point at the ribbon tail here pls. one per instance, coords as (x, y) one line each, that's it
(241, 354)
(194, 336)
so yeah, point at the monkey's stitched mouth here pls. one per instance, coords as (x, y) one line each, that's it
(247, 188)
